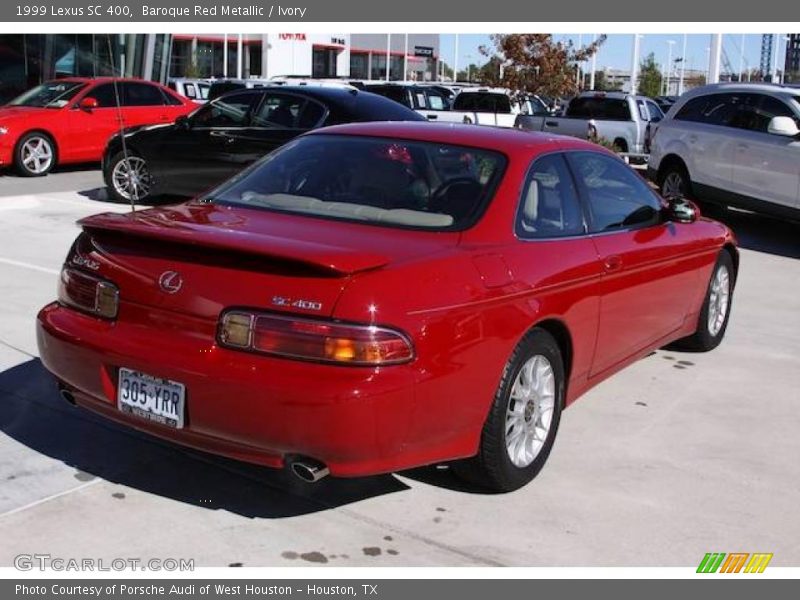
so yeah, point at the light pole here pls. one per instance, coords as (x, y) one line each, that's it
(388, 53)
(786, 40)
(469, 68)
(405, 61)
(683, 66)
(455, 62)
(741, 60)
(637, 38)
(668, 66)
(594, 64)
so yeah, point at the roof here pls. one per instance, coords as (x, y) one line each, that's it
(770, 88)
(500, 139)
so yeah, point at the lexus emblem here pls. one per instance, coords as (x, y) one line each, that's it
(170, 281)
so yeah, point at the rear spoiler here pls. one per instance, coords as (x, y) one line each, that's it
(157, 226)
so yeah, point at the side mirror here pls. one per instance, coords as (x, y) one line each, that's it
(681, 210)
(785, 126)
(183, 122)
(88, 104)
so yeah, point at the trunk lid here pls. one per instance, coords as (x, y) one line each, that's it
(199, 259)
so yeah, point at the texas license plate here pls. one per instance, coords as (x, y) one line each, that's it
(152, 398)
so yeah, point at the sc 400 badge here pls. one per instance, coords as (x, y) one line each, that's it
(302, 304)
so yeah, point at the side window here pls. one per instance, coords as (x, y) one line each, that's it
(656, 114)
(142, 94)
(643, 114)
(311, 116)
(419, 99)
(715, 109)
(189, 91)
(106, 96)
(617, 197)
(692, 110)
(769, 108)
(278, 111)
(549, 206)
(436, 101)
(229, 111)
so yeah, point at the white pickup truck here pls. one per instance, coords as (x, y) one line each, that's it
(491, 106)
(618, 117)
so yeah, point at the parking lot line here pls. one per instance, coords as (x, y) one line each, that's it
(25, 265)
(46, 499)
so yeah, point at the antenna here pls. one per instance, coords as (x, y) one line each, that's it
(132, 188)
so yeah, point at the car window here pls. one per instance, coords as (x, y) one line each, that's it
(549, 206)
(617, 197)
(232, 110)
(436, 101)
(770, 107)
(599, 107)
(656, 114)
(312, 115)
(714, 109)
(142, 94)
(482, 102)
(384, 182)
(189, 91)
(393, 92)
(106, 95)
(279, 111)
(643, 114)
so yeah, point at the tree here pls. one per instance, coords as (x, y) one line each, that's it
(535, 63)
(602, 84)
(650, 79)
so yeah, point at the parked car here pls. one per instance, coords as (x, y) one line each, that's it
(219, 87)
(428, 101)
(378, 296)
(618, 117)
(194, 89)
(70, 120)
(493, 106)
(227, 134)
(732, 144)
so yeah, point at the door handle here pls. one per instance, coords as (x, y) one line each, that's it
(612, 263)
(551, 123)
(432, 117)
(692, 138)
(741, 147)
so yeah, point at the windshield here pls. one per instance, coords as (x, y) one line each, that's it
(53, 94)
(378, 181)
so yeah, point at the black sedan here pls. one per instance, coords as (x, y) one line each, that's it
(203, 149)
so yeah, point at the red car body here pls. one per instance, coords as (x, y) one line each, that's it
(81, 134)
(465, 299)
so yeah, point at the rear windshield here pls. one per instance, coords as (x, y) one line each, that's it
(392, 183)
(483, 102)
(609, 109)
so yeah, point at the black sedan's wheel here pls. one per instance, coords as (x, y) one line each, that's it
(716, 311)
(522, 424)
(127, 178)
(35, 155)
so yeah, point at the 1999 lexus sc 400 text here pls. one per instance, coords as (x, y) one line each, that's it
(378, 296)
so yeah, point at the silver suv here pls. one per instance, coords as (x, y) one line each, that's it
(732, 144)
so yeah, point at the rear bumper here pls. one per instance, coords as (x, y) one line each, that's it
(248, 407)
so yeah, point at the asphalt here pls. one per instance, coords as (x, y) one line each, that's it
(679, 455)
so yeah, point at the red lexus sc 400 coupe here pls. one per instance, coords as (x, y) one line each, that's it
(71, 120)
(374, 297)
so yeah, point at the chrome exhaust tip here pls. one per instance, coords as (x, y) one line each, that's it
(309, 471)
(67, 395)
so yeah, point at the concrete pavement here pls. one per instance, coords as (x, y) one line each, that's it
(680, 455)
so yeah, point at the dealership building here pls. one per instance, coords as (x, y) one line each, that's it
(28, 59)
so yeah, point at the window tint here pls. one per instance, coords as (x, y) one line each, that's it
(142, 94)
(715, 109)
(770, 107)
(384, 182)
(656, 114)
(311, 115)
(482, 102)
(549, 206)
(230, 111)
(279, 112)
(618, 198)
(393, 92)
(599, 107)
(105, 95)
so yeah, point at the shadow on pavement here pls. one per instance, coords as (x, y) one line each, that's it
(759, 232)
(33, 414)
(100, 194)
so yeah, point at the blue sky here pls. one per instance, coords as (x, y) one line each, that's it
(616, 52)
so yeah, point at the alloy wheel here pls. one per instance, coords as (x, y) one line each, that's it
(530, 410)
(37, 154)
(131, 178)
(719, 299)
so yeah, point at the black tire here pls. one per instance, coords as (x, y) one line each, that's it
(705, 338)
(675, 180)
(114, 194)
(37, 168)
(492, 467)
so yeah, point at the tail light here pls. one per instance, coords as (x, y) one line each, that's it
(88, 293)
(307, 339)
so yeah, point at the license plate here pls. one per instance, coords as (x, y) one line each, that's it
(152, 398)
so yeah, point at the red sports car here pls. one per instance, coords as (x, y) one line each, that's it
(374, 297)
(71, 120)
